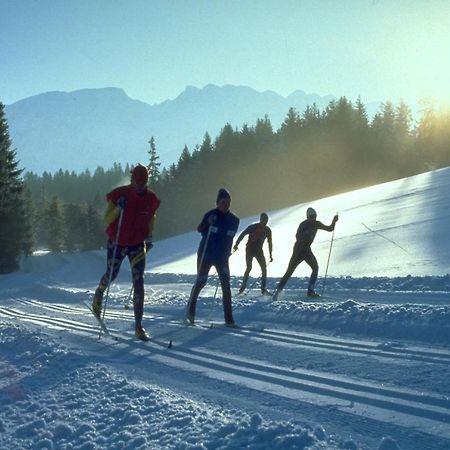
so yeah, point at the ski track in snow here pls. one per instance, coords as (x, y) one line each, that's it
(226, 357)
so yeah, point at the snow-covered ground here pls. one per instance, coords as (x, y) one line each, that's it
(365, 367)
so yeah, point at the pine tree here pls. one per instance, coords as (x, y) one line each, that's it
(75, 226)
(53, 225)
(206, 148)
(289, 129)
(28, 240)
(184, 159)
(15, 230)
(154, 164)
(95, 236)
(433, 136)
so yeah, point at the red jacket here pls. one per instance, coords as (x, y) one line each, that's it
(137, 215)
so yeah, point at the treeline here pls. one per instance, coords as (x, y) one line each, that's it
(313, 154)
(67, 208)
(72, 187)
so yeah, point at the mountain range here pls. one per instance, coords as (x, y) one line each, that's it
(87, 128)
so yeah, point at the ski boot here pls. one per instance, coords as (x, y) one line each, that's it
(190, 319)
(141, 334)
(312, 293)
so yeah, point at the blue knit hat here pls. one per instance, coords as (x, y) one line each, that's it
(223, 193)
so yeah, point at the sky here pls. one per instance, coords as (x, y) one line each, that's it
(377, 49)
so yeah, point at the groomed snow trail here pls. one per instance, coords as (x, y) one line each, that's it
(280, 371)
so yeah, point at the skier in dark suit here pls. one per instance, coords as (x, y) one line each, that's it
(257, 233)
(305, 235)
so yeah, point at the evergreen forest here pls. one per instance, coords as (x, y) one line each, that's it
(314, 153)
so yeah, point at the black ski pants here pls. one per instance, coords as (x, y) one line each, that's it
(257, 253)
(202, 277)
(300, 254)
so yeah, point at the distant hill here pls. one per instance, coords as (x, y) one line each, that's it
(91, 127)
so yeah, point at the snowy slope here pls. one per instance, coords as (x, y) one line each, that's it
(367, 367)
(413, 212)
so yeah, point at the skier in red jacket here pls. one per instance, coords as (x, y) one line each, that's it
(137, 204)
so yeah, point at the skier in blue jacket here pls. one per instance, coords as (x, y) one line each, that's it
(218, 228)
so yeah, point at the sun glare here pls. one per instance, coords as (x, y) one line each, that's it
(414, 53)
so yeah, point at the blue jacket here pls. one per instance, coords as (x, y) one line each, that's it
(218, 237)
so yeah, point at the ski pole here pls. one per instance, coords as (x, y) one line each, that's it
(204, 247)
(217, 286)
(127, 302)
(328, 262)
(256, 279)
(116, 243)
(130, 295)
(200, 264)
(211, 309)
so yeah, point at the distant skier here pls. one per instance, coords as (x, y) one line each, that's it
(257, 233)
(218, 227)
(138, 205)
(305, 235)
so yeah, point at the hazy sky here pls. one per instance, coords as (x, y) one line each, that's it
(379, 49)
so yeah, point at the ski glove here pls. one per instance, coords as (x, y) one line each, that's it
(121, 202)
